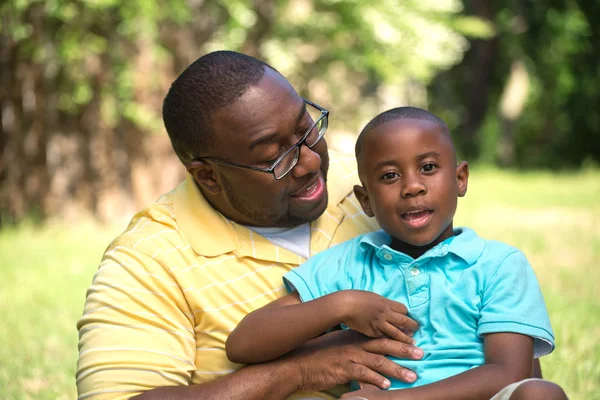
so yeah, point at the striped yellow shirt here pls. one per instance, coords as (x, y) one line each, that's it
(171, 288)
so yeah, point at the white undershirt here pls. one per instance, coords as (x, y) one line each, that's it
(296, 239)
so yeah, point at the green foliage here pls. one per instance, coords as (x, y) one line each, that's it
(557, 43)
(88, 44)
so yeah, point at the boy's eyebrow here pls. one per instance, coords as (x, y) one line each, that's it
(386, 163)
(419, 157)
(423, 156)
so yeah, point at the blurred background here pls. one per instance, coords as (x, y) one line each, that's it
(82, 144)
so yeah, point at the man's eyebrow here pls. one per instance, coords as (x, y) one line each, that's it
(263, 140)
(268, 138)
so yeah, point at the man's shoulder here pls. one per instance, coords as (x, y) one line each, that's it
(152, 227)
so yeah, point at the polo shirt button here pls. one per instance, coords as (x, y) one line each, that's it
(415, 271)
(387, 256)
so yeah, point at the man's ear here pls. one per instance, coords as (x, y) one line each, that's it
(462, 178)
(205, 176)
(363, 198)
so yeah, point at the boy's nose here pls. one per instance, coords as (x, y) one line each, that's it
(413, 187)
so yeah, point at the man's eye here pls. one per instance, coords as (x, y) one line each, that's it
(429, 167)
(302, 131)
(389, 175)
(268, 163)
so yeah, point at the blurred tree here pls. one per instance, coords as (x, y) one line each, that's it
(534, 108)
(82, 82)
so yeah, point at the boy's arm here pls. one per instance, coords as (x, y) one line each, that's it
(508, 359)
(287, 323)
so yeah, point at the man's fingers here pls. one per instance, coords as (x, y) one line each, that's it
(366, 375)
(387, 367)
(364, 385)
(390, 347)
(402, 320)
(396, 334)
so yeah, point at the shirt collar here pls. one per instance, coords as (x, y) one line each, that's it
(211, 234)
(465, 244)
(195, 217)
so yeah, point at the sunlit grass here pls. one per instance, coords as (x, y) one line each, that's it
(555, 220)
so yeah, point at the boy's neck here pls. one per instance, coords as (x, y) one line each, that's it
(417, 251)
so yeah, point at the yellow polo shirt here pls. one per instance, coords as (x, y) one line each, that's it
(171, 288)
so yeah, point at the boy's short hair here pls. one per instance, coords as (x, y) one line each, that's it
(394, 114)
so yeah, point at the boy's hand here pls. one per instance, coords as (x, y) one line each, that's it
(376, 316)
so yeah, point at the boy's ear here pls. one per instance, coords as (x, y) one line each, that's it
(205, 176)
(462, 178)
(363, 198)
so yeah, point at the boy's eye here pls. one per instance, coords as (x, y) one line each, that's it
(389, 175)
(429, 167)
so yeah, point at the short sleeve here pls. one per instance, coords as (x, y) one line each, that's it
(512, 302)
(136, 332)
(323, 273)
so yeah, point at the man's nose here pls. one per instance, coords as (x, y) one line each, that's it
(413, 186)
(308, 163)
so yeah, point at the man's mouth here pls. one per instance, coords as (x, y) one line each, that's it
(418, 217)
(311, 192)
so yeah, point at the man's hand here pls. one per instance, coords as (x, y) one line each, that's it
(342, 356)
(376, 316)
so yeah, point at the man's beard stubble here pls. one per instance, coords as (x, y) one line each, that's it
(267, 220)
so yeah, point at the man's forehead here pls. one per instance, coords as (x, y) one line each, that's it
(263, 110)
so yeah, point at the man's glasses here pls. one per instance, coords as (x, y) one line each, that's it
(288, 160)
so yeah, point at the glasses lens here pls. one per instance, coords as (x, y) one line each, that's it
(287, 163)
(317, 132)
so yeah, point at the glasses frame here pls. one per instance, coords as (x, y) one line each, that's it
(298, 145)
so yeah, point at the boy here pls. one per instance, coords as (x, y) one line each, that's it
(472, 298)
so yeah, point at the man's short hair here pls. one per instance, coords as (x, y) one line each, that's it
(394, 114)
(212, 82)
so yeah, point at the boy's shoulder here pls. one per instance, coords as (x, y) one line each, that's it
(489, 248)
(484, 254)
(356, 244)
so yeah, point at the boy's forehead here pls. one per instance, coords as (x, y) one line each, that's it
(406, 128)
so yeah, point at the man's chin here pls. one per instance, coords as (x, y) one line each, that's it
(303, 216)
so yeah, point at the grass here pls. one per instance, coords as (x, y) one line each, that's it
(554, 219)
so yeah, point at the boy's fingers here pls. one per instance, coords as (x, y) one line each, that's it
(402, 320)
(398, 307)
(396, 334)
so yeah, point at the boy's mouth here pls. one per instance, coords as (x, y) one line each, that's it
(417, 218)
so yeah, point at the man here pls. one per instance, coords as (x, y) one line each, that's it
(189, 268)
(256, 203)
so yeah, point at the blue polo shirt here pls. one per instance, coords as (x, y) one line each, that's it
(457, 291)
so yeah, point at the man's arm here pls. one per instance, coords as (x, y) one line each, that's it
(287, 323)
(332, 359)
(270, 381)
(508, 359)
